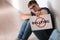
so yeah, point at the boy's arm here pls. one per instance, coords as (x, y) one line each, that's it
(26, 16)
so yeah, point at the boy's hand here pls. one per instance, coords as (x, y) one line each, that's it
(38, 13)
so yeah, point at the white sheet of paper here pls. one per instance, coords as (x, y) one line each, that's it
(47, 24)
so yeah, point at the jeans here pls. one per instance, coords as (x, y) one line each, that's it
(26, 31)
(55, 35)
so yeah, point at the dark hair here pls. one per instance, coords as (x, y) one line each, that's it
(32, 2)
(46, 9)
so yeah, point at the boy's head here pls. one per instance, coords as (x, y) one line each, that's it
(44, 11)
(32, 2)
(33, 6)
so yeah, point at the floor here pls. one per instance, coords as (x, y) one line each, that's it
(33, 37)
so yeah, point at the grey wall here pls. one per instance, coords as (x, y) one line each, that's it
(54, 6)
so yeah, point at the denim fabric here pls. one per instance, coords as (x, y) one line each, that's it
(22, 29)
(27, 31)
(55, 35)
